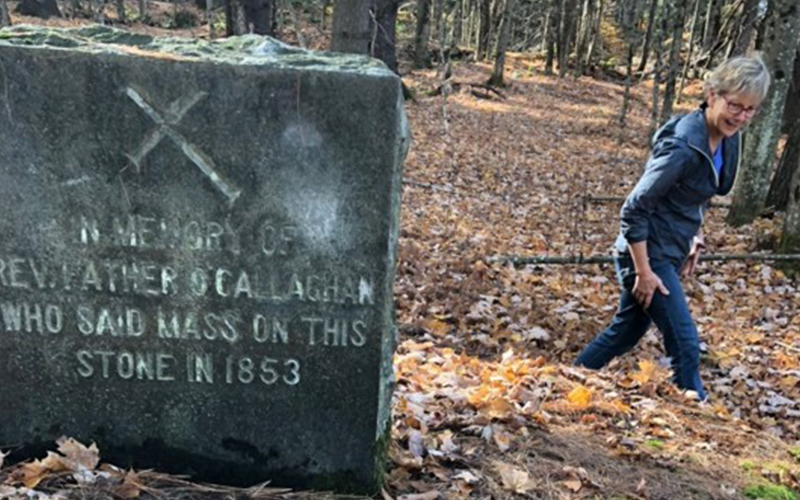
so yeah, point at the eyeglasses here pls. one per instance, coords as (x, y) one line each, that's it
(736, 108)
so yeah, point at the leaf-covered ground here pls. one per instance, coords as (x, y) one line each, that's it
(487, 403)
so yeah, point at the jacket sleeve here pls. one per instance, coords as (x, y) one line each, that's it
(664, 169)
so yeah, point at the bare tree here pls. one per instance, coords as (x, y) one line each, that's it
(678, 18)
(44, 9)
(553, 21)
(630, 31)
(484, 28)
(260, 16)
(502, 44)
(658, 42)
(384, 32)
(566, 35)
(710, 26)
(584, 34)
(688, 61)
(421, 55)
(748, 27)
(595, 41)
(778, 195)
(351, 31)
(648, 36)
(5, 18)
(780, 48)
(235, 19)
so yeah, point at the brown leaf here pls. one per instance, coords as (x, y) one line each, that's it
(33, 473)
(573, 484)
(78, 457)
(416, 443)
(428, 495)
(130, 487)
(513, 478)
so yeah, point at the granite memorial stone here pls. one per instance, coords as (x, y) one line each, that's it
(197, 249)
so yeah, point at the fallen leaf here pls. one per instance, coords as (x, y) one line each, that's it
(513, 478)
(580, 397)
(416, 443)
(428, 495)
(467, 476)
(130, 486)
(438, 328)
(33, 473)
(573, 484)
(77, 456)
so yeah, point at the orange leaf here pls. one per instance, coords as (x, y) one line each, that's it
(33, 473)
(438, 328)
(580, 397)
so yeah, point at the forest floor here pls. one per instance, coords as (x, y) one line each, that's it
(487, 403)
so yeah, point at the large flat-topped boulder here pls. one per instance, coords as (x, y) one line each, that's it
(197, 252)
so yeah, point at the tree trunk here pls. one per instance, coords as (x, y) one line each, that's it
(780, 48)
(587, 23)
(595, 33)
(648, 36)
(778, 195)
(658, 45)
(235, 19)
(502, 44)
(678, 18)
(554, 19)
(5, 17)
(763, 28)
(43, 9)
(384, 32)
(628, 81)
(691, 49)
(210, 18)
(260, 16)
(749, 21)
(458, 24)
(421, 55)
(121, 17)
(484, 28)
(566, 34)
(351, 33)
(710, 26)
(142, 9)
(439, 34)
(630, 31)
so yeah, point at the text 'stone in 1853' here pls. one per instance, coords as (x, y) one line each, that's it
(197, 251)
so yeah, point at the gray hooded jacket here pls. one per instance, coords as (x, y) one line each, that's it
(666, 206)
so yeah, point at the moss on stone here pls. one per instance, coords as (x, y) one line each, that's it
(242, 50)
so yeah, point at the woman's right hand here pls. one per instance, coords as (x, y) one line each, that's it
(645, 287)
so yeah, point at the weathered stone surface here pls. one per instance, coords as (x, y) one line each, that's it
(197, 254)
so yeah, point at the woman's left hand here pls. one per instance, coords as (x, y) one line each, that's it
(690, 265)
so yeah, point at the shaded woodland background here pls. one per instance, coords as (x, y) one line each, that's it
(531, 122)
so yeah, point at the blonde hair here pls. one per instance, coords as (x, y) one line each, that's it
(742, 74)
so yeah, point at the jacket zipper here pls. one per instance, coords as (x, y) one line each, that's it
(716, 175)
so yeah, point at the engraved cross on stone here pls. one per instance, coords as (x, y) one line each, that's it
(164, 128)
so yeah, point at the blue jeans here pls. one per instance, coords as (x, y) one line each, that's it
(671, 315)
